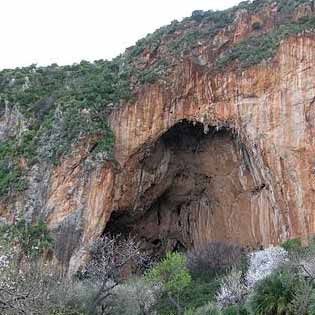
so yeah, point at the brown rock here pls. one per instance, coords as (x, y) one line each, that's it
(206, 155)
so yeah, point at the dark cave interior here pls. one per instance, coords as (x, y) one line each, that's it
(196, 185)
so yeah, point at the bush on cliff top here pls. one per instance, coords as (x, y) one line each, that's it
(255, 49)
(30, 239)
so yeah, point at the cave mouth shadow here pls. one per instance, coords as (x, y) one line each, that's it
(189, 182)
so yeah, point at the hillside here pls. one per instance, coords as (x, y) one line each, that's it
(176, 179)
(126, 145)
(60, 105)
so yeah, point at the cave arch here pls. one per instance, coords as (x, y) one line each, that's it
(192, 185)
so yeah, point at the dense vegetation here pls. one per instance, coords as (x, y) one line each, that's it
(31, 239)
(57, 106)
(60, 105)
(255, 49)
(218, 279)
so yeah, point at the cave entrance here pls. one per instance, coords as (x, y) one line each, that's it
(193, 185)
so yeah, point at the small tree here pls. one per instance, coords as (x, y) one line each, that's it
(173, 276)
(109, 256)
(24, 290)
(136, 297)
(262, 263)
(233, 290)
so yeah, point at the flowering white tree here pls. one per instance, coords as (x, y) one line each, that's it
(235, 286)
(25, 282)
(109, 257)
(22, 291)
(262, 263)
(232, 290)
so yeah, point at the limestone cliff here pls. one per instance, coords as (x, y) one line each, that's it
(220, 146)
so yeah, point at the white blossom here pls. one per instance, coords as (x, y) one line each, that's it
(262, 263)
(4, 261)
(235, 286)
(232, 290)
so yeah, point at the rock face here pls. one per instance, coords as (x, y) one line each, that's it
(211, 155)
(269, 109)
(216, 157)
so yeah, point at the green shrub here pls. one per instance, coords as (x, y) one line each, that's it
(303, 302)
(285, 292)
(172, 274)
(190, 311)
(32, 239)
(274, 294)
(286, 6)
(11, 180)
(292, 245)
(58, 106)
(255, 49)
(208, 309)
(135, 297)
(198, 293)
(10, 174)
(235, 310)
